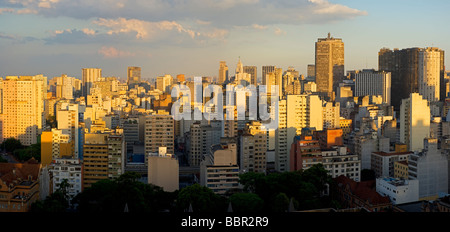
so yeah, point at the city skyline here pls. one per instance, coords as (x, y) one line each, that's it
(57, 37)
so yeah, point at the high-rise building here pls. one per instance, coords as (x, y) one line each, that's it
(202, 137)
(373, 83)
(134, 75)
(414, 121)
(219, 170)
(223, 72)
(163, 83)
(329, 64)
(294, 114)
(159, 132)
(103, 156)
(429, 74)
(67, 118)
(311, 71)
(252, 70)
(23, 108)
(266, 70)
(64, 87)
(404, 68)
(89, 77)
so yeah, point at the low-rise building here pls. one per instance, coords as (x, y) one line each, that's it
(19, 186)
(400, 191)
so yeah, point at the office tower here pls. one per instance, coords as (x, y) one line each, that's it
(430, 167)
(134, 75)
(414, 121)
(266, 70)
(163, 170)
(223, 72)
(89, 77)
(329, 64)
(64, 87)
(159, 132)
(430, 74)
(252, 70)
(311, 71)
(404, 67)
(103, 156)
(219, 170)
(163, 83)
(373, 83)
(23, 108)
(55, 144)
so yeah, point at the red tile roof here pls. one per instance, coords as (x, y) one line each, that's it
(364, 190)
(17, 172)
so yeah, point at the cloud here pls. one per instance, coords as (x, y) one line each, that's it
(259, 27)
(143, 29)
(219, 13)
(278, 31)
(112, 52)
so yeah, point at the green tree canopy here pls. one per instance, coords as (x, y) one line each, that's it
(201, 198)
(246, 203)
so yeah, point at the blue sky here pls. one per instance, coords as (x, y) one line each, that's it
(53, 37)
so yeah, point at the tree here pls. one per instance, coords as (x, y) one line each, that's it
(112, 196)
(281, 203)
(246, 203)
(201, 198)
(57, 202)
(11, 144)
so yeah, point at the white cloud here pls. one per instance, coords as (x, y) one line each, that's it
(112, 52)
(143, 29)
(259, 27)
(278, 31)
(88, 31)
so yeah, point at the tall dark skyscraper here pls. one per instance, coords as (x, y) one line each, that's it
(252, 70)
(404, 68)
(134, 75)
(329, 64)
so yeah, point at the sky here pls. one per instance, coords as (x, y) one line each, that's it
(191, 37)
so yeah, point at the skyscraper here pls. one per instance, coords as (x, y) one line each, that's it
(373, 83)
(252, 70)
(429, 74)
(329, 64)
(89, 77)
(266, 70)
(134, 75)
(223, 72)
(404, 68)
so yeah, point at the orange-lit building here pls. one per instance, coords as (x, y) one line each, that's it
(330, 137)
(19, 186)
(305, 152)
